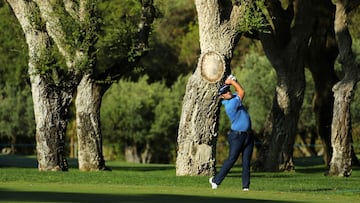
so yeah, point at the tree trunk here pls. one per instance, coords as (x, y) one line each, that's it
(90, 92)
(135, 155)
(88, 102)
(341, 161)
(198, 123)
(51, 102)
(322, 55)
(131, 154)
(51, 109)
(285, 47)
(197, 129)
(53, 87)
(276, 153)
(340, 164)
(78, 54)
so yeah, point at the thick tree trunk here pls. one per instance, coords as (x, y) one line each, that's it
(51, 102)
(89, 96)
(51, 109)
(341, 161)
(340, 164)
(134, 154)
(218, 25)
(78, 59)
(88, 102)
(53, 88)
(197, 129)
(276, 153)
(285, 48)
(322, 55)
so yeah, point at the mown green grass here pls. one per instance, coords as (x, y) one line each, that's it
(20, 181)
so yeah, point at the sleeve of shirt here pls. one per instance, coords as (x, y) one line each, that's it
(232, 105)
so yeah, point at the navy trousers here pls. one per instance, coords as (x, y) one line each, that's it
(239, 142)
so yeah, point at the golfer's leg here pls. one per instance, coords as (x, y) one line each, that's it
(234, 151)
(246, 160)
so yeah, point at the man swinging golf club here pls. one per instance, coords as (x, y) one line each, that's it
(239, 137)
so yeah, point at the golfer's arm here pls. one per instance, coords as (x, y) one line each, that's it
(240, 91)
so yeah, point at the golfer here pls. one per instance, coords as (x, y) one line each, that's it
(239, 137)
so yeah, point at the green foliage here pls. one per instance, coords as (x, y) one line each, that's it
(35, 19)
(13, 50)
(16, 115)
(79, 31)
(307, 115)
(128, 109)
(255, 17)
(259, 80)
(141, 113)
(17, 123)
(174, 42)
(190, 48)
(167, 114)
(354, 22)
(118, 32)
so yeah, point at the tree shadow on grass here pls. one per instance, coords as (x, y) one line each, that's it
(142, 168)
(31, 162)
(27, 161)
(313, 164)
(17, 161)
(22, 196)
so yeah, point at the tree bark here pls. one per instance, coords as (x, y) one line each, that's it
(92, 88)
(53, 87)
(285, 47)
(218, 21)
(51, 101)
(341, 161)
(51, 108)
(79, 57)
(88, 102)
(340, 164)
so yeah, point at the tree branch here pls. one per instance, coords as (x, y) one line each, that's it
(72, 8)
(55, 30)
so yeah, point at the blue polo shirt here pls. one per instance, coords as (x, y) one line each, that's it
(238, 115)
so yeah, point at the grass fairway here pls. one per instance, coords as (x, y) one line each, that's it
(20, 181)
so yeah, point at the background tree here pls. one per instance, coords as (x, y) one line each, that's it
(259, 82)
(322, 54)
(172, 48)
(16, 112)
(143, 124)
(16, 119)
(285, 45)
(341, 161)
(354, 108)
(166, 122)
(124, 41)
(59, 37)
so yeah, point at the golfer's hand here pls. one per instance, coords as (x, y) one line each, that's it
(230, 79)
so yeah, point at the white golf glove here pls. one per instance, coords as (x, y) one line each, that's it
(231, 77)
